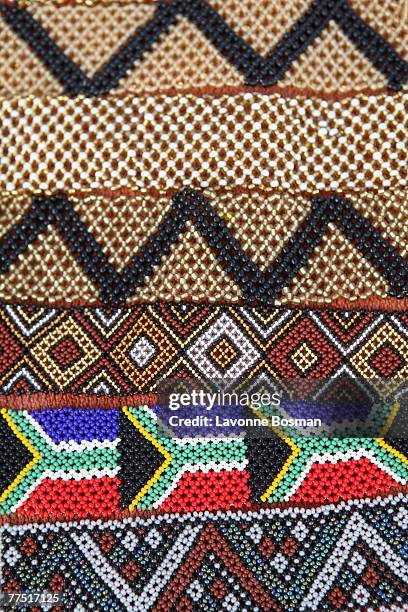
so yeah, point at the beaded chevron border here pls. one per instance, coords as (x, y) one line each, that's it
(257, 70)
(189, 208)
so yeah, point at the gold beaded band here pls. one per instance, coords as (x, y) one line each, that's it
(165, 142)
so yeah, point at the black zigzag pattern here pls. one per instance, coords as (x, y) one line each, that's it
(257, 286)
(257, 70)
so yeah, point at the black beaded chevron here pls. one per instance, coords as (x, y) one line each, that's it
(257, 286)
(258, 70)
